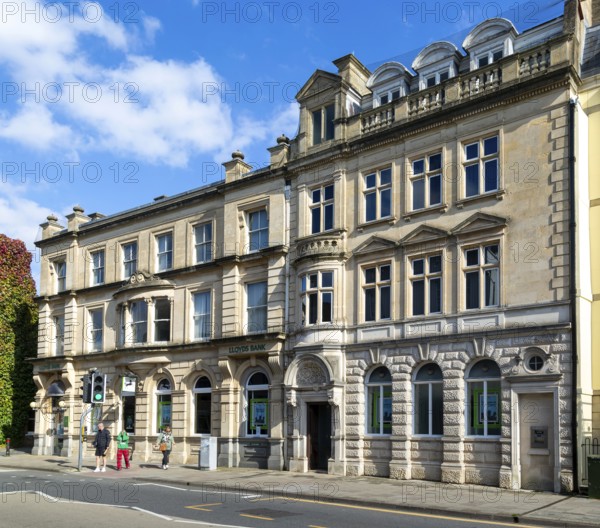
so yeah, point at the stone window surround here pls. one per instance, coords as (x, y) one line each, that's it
(122, 246)
(194, 392)
(245, 403)
(480, 138)
(192, 239)
(92, 265)
(426, 277)
(156, 235)
(322, 204)
(244, 210)
(410, 177)
(362, 176)
(89, 333)
(125, 318)
(481, 243)
(191, 332)
(319, 290)
(377, 264)
(368, 384)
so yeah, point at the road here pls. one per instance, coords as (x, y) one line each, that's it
(39, 498)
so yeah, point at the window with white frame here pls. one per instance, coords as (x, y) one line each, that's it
(426, 285)
(96, 329)
(428, 400)
(258, 230)
(138, 313)
(162, 320)
(164, 246)
(377, 285)
(377, 192)
(203, 242)
(97, 267)
(481, 268)
(484, 406)
(164, 404)
(130, 251)
(59, 335)
(256, 294)
(379, 402)
(202, 315)
(426, 181)
(481, 167)
(489, 57)
(321, 209)
(388, 96)
(316, 291)
(323, 124)
(436, 78)
(202, 398)
(60, 268)
(257, 401)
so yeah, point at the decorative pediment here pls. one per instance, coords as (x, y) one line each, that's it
(319, 82)
(423, 235)
(479, 222)
(375, 244)
(310, 373)
(435, 52)
(387, 72)
(143, 280)
(488, 30)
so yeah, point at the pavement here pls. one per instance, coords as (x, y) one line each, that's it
(517, 507)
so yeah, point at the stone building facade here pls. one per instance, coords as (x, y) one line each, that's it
(392, 296)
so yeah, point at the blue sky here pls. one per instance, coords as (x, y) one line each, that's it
(110, 104)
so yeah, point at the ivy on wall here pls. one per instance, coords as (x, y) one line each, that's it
(18, 338)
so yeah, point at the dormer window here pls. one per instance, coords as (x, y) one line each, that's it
(323, 126)
(436, 63)
(389, 82)
(489, 42)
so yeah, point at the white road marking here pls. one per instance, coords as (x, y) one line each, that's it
(152, 513)
(10, 470)
(208, 491)
(201, 523)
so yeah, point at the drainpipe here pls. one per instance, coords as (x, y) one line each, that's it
(287, 193)
(573, 290)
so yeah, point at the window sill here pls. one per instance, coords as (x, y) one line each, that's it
(488, 438)
(391, 220)
(499, 195)
(441, 209)
(377, 436)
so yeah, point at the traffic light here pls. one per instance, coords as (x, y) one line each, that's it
(98, 387)
(87, 388)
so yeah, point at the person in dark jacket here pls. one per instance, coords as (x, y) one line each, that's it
(101, 444)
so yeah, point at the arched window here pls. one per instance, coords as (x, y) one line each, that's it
(163, 404)
(428, 404)
(379, 402)
(483, 399)
(257, 397)
(202, 396)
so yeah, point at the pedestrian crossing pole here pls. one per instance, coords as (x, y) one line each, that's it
(81, 429)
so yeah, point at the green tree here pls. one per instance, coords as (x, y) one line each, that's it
(18, 338)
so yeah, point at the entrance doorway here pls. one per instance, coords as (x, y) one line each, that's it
(536, 439)
(319, 435)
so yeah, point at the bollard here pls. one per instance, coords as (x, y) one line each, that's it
(8, 447)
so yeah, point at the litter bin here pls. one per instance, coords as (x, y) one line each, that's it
(207, 456)
(594, 476)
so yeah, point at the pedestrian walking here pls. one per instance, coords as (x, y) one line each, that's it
(165, 443)
(122, 449)
(101, 443)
